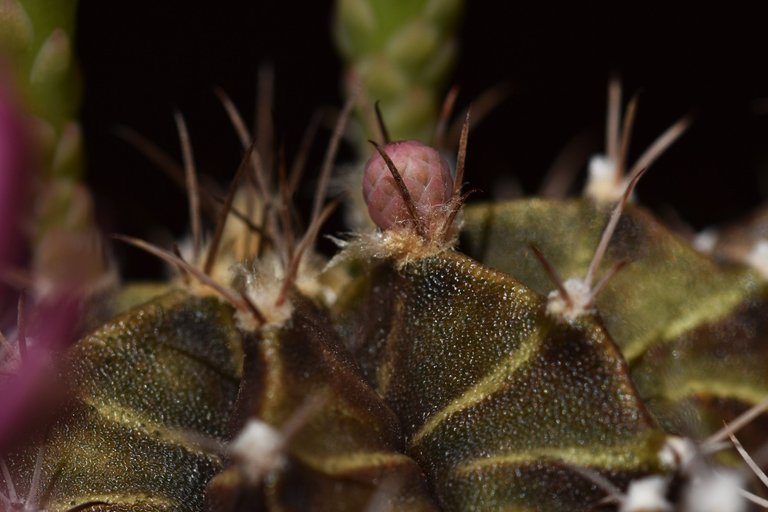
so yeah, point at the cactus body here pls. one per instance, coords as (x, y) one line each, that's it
(399, 53)
(672, 310)
(143, 386)
(347, 449)
(497, 399)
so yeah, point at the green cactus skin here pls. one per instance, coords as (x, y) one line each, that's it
(496, 398)
(142, 384)
(401, 52)
(37, 51)
(346, 450)
(691, 330)
(38, 46)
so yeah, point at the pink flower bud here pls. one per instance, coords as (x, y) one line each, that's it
(426, 175)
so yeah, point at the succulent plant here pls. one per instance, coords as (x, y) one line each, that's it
(533, 355)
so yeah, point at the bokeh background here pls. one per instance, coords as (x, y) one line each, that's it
(143, 59)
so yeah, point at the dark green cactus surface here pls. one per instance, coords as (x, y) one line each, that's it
(498, 399)
(143, 385)
(346, 449)
(692, 331)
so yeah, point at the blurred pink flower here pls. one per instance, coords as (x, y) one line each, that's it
(31, 390)
(27, 370)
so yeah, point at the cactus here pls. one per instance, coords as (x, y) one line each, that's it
(530, 355)
(399, 53)
(37, 64)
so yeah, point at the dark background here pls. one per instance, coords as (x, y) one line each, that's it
(143, 59)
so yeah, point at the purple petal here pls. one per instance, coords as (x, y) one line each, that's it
(30, 391)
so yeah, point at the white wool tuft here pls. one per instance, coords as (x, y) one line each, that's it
(758, 257)
(604, 184)
(716, 491)
(580, 296)
(706, 241)
(647, 495)
(677, 452)
(258, 448)
(262, 287)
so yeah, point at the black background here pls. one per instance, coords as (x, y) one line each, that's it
(143, 59)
